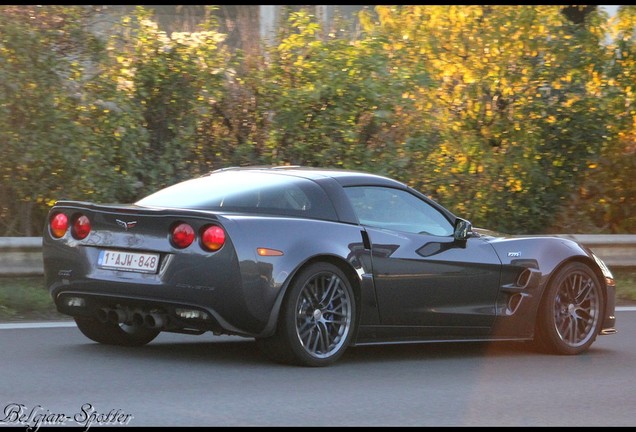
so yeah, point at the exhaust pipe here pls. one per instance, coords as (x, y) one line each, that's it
(154, 320)
(117, 316)
(113, 316)
(138, 318)
(102, 315)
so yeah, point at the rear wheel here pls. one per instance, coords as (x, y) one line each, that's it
(569, 316)
(317, 318)
(115, 334)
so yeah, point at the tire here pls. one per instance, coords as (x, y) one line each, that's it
(115, 334)
(317, 319)
(569, 316)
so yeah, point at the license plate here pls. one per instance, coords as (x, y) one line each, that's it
(128, 261)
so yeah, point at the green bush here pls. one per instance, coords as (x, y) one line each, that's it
(523, 128)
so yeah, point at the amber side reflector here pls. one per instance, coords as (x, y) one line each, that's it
(268, 252)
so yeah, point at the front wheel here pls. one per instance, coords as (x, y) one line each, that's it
(115, 334)
(317, 318)
(569, 316)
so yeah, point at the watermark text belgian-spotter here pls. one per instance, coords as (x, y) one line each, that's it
(36, 416)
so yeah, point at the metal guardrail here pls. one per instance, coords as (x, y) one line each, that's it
(22, 256)
(616, 250)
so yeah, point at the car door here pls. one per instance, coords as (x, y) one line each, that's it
(423, 276)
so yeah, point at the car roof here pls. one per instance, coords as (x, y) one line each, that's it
(345, 177)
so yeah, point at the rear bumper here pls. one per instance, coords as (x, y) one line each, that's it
(232, 301)
(160, 315)
(172, 310)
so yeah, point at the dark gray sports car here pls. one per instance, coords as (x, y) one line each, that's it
(311, 261)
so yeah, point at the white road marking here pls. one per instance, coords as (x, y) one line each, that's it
(31, 325)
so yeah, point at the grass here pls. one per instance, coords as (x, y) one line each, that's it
(26, 298)
(625, 285)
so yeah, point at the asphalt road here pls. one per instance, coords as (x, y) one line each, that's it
(52, 374)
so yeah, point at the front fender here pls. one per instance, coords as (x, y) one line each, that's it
(528, 264)
(547, 252)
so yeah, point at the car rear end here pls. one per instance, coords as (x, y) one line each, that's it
(168, 269)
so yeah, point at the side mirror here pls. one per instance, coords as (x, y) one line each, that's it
(463, 229)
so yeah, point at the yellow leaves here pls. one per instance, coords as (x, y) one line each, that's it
(572, 99)
(366, 20)
(594, 85)
(514, 185)
(449, 70)
(461, 159)
(476, 169)
(469, 77)
(299, 61)
(628, 91)
(507, 91)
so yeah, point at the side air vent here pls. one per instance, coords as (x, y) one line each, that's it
(523, 278)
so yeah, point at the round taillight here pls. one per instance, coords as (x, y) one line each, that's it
(81, 227)
(213, 238)
(59, 225)
(182, 235)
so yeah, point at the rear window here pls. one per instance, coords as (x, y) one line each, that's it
(247, 192)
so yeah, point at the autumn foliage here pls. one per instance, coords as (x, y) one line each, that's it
(519, 118)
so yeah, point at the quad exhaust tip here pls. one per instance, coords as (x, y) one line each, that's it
(137, 317)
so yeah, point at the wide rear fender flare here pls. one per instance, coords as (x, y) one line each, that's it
(272, 322)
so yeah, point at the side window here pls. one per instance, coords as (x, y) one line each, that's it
(301, 198)
(240, 191)
(397, 210)
(283, 198)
